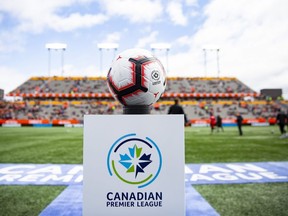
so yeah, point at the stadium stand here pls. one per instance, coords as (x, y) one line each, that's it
(98, 85)
(65, 100)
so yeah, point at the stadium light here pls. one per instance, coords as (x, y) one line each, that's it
(106, 46)
(212, 48)
(56, 46)
(162, 46)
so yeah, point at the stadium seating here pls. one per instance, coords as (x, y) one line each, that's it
(63, 85)
(98, 85)
(69, 98)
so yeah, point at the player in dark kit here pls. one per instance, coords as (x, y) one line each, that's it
(281, 121)
(239, 120)
(176, 108)
(219, 123)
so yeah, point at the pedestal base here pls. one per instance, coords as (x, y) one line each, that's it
(136, 109)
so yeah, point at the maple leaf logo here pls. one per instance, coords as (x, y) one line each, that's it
(135, 162)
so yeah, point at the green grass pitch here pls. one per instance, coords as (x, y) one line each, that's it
(65, 145)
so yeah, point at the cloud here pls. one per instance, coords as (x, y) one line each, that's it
(140, 11)
(11, 41)
(147, 40)
(75, 21)
(184, 40)
(62, 24)
(36, 16)
(113, 37)
(175, 12)
(7, 82)
(191, 2)
(252, 37)
(72, 70)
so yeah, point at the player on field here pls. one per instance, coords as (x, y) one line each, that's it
(212, 122)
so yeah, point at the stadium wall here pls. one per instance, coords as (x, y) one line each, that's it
(76, 123)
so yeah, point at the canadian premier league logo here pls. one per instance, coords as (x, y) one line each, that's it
(134, 160)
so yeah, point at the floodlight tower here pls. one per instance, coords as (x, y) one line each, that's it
(218, 67)
(213, 49)
(56, 46)
(162, 46)
(106, 46)
(205, 63)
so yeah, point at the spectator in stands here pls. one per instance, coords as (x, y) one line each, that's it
(239, 121)
(281, 121)
(212, 122)
(219, 123)
(176, 108)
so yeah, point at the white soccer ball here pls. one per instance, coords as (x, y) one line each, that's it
(136, 77)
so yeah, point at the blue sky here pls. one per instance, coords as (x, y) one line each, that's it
(251, 35)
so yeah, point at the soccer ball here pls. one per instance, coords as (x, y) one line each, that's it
(136, 77)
